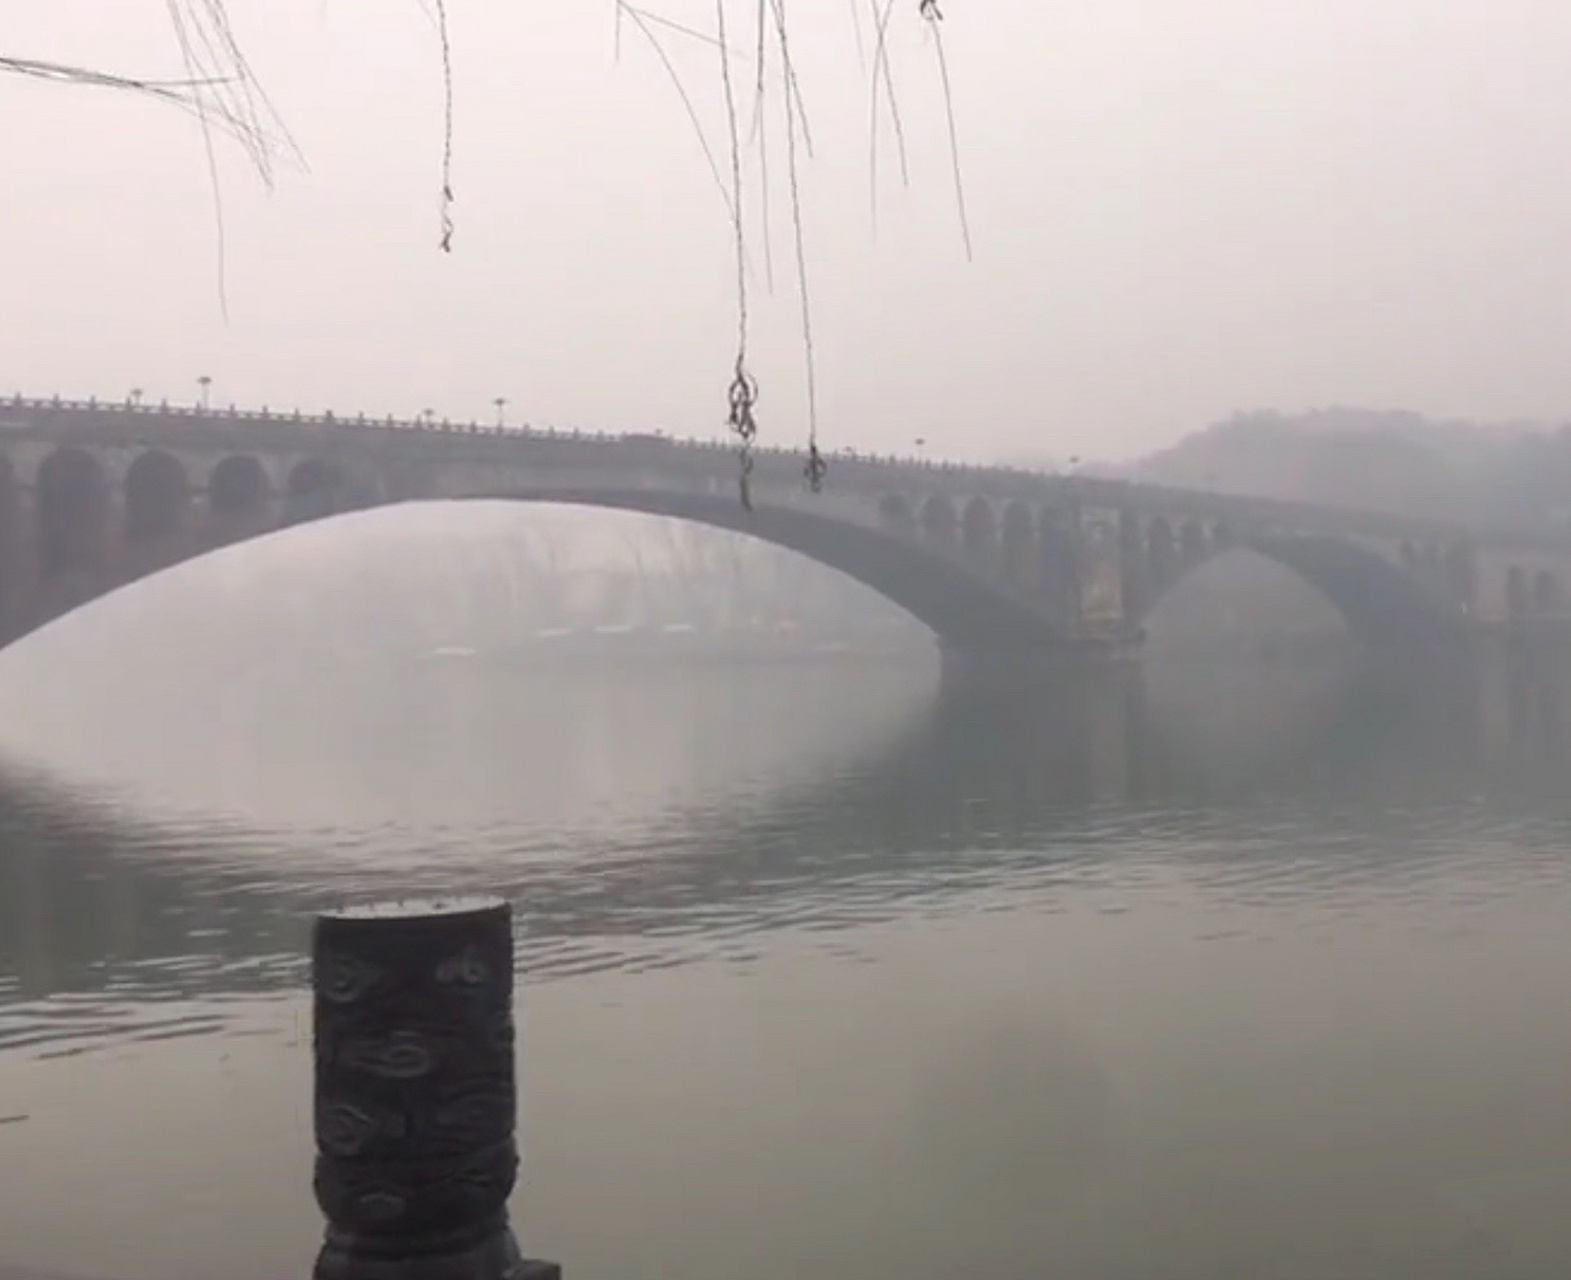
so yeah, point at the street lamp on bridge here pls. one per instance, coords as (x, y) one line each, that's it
(501, 407)
(206, 383)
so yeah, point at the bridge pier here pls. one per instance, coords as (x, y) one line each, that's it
(1016, 664)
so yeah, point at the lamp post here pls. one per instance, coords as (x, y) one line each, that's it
(501, 407)
(136, 397)
(206, 383)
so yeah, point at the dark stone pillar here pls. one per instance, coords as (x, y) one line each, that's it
(416, 1101)
(1059, 556)
(1133, 575)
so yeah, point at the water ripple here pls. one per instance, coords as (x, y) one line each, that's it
(118, 927)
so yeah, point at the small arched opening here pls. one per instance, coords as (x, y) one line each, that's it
(938, 521)
(894, 512)
(157, 493)
(1020, 548)
(979, 530)
(73, 513)
(237, 491)
(316, 488)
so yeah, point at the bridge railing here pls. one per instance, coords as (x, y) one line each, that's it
(1099, 488)
(430, 425)
(1093, 490)
(1008, 480)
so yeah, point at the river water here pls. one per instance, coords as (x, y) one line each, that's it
(828, 968)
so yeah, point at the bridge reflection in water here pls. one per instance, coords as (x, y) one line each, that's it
(1178, 974)
(968, 786)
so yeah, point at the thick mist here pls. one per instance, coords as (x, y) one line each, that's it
(1179, 210)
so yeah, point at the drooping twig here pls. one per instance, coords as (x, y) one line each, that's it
(816, 467)
(445, 34)
(218, 89)
(178, 93)
(681, 28)
(934, 16)
(743, 392)
(883, 75)
(638, 19)
(794, 96)
(177, 17)
(856, 26)
(228, 88)
(760, 133)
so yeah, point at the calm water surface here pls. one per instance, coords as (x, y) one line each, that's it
(828, 969)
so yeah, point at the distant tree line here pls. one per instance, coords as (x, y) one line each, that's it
(1510, 473)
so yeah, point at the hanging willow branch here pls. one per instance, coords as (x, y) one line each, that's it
(933, 15)
(444, 33)
(194, 94)
(221, 91)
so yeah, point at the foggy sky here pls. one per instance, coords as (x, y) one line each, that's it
(1180, 208)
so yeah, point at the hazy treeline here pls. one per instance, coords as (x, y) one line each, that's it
(1382, 460)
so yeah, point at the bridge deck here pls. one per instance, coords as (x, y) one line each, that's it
(130, 425)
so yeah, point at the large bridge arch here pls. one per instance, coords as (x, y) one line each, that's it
(1384, 606)
(965, 610)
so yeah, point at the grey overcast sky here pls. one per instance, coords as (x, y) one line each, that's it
(1180, 208)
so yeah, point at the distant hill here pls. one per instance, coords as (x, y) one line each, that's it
(1379, 460)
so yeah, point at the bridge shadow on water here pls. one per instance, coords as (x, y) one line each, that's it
(113, 926)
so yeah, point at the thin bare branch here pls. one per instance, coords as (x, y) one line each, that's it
(815, 462)
(181, 93)
(645, 28)
(882, 74)
(177, 17)
(933, 16)
(447, 126)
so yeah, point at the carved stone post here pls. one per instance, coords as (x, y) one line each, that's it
(416, 1097)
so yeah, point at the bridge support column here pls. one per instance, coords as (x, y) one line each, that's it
(1060, 556)
(1162, 563)
(18, 563)
(1461, 577)
(1134, 578)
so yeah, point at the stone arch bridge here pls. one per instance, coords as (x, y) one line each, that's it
(994, 560)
